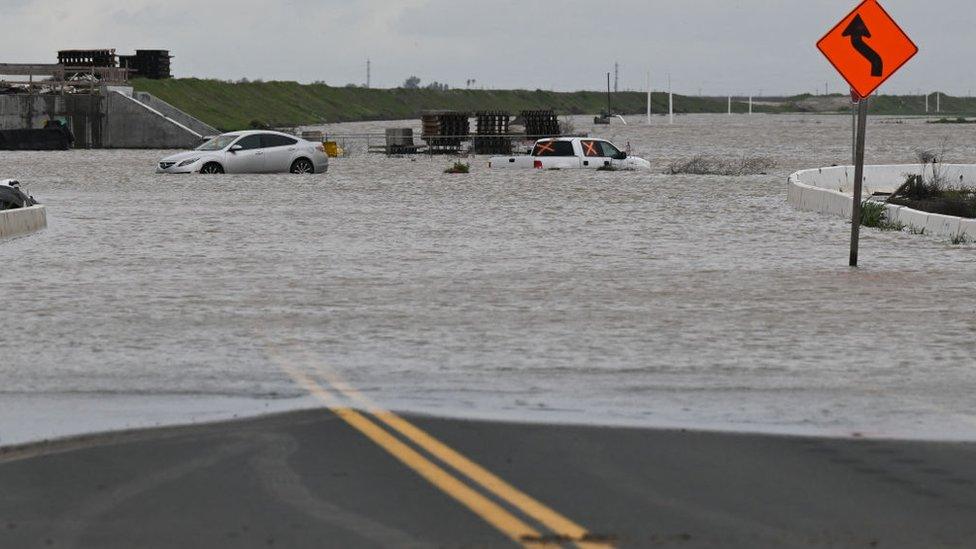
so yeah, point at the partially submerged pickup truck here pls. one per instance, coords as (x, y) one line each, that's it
(566, 153)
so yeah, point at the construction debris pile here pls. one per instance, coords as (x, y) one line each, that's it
(78, 71)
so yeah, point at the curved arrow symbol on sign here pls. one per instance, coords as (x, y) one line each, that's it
(858, 31)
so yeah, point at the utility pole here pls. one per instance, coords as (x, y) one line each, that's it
(369, 75)
(938, 102)
(670, 100)
(616, 77)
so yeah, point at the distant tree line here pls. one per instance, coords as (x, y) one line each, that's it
(413, 83)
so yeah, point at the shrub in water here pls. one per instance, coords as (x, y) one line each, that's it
(704, 165)
(934, 196)
(459, 167)
(875, 215)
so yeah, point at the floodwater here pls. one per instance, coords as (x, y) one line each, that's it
(618, 298)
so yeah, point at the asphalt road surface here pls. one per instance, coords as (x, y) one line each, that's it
(330, 479)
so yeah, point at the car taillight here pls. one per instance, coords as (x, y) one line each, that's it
(537, 164)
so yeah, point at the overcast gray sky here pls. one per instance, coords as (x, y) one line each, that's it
(716, 46)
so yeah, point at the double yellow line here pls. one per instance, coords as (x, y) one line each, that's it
(563, 529)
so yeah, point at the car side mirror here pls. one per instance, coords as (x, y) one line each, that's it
(620, 156)
(236, 148)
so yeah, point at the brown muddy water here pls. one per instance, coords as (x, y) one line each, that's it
(619, 298)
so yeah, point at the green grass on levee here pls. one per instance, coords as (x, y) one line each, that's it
(240, 105)
(234, 106)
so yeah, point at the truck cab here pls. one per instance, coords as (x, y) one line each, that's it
(563, 153)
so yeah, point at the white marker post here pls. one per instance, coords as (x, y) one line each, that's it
(750, 104)
(730, 105)
(648, 98)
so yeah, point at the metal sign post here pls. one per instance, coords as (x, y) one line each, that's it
(862, 123)
(867, 47)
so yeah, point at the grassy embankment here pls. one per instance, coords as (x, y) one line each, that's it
(915, 105)
(232, 106)
(889, 105)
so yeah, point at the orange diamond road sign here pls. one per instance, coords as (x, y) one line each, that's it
(867, 47)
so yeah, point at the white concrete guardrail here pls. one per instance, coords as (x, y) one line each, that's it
(22, 221)
(830, 191)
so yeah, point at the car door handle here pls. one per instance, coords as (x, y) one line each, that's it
(258, 154)
(291, 149)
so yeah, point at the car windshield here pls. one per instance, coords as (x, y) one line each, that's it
(218, 143)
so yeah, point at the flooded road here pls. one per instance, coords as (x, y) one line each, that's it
(619, 298)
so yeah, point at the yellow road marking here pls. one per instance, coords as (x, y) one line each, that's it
(489, 511)
(558, 523)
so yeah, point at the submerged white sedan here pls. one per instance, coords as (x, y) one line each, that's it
(250, 152)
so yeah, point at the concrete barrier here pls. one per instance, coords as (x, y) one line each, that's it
(22, 221)
(130, 124)
(114, 117)
(829, 191)
(169, 111)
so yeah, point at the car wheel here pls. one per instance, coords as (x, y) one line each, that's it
(212, 168)
(302, 166)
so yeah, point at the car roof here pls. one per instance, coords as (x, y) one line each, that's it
(243, 133)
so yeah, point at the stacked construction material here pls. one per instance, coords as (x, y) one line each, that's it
(444, 131)
(152, 64)
(88, 58)
(539, 124)
(492, 126)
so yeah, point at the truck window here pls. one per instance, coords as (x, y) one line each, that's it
(592, 148)
(554, 148)
(609, 151)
